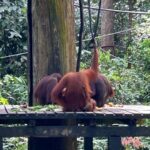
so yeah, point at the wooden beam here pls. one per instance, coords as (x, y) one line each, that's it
(73, 131)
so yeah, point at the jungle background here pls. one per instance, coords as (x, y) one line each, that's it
(127, 66)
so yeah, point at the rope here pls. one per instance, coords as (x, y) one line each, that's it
(92, 43)
(80, 35)
(116, 56)
(117, 11)
(90, 18)
(14, 55)
(93, 31)
(97, 37)
(118, 32)
(97, 19)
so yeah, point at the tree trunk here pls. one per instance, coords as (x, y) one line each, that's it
(130, 3)
(53, 37)
(53, 50)
(107, 22)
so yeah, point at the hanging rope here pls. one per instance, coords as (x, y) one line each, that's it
(97, 20)
(30, 55)
(92, 43)
(80, 35)
(114, 33)
(93, 34)
(90, 18)
(14, 55)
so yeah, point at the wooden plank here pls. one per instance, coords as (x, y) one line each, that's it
(126, 112)
(31, 112)
(97, 116)
(10, 109)
(42, 112)
(117, 111)
(57, 113)
(135, 110)
(49, 113)
(19, 110)
(137, 107)
(104, 111)
(84, 115)
(1, 106)
(92, 131)
(140, 112)
(2, 109)
(70, 116)
(73, 131)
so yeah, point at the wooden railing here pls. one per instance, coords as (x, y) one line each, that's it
(110, 122)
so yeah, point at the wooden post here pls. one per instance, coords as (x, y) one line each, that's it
(88, 143)
(53, 50)
(114, 143)
(1, 143)
(50, 143)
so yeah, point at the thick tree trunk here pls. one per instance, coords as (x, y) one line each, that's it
(107, 22)
(53, 50)
(53, 37)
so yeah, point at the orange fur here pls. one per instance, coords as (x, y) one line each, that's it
(94, 63)
(101, 87)
(77, 93)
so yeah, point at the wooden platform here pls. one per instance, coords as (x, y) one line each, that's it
(111, 122)
(118, 112)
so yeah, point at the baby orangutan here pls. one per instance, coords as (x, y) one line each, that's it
(44, 87)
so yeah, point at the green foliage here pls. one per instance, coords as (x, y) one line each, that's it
(3, 101)
(36, 108)
(98, 143)
(15, 143)
(146, 143)
(131, 85)
(13, 36)
(85, 59)
(14, 89)
(141, 55)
